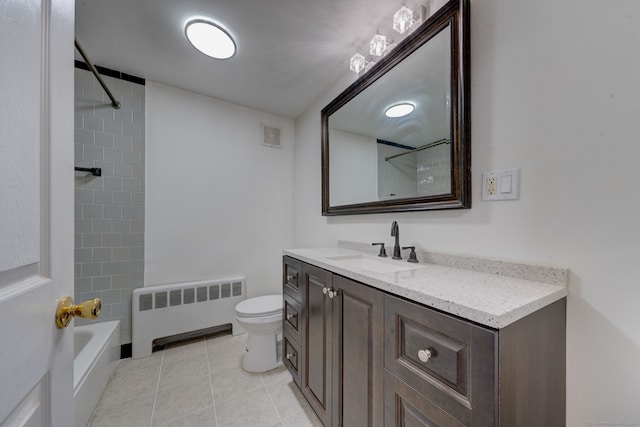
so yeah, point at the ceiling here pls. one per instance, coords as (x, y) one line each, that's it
(289, 51)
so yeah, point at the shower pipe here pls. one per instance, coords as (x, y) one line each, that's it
(424, 147)
(94, 171)
(115, 104)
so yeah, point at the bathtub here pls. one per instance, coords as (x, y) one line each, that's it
(97, 352)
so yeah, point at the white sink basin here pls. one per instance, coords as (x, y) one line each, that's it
(370, 264)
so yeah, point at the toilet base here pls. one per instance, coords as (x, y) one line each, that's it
(261, 353)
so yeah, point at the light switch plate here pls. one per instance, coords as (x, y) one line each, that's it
(501, 184)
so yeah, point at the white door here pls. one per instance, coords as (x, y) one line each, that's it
(36, 210)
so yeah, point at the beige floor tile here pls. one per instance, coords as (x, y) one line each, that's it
(204, 418)
(287, 398)
(183, 399)
(129, 365)
(184, 350)
(225, 363)
(130, 413)
(183, 370)
(225, 346)
(250, 409)
(233, 386)
(178, 379)
(126, 386)
(279, 375)
(306, 418)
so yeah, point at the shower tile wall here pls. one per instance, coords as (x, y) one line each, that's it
(109, 210)
(434, 170)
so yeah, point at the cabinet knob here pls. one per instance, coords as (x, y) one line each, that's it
(424, 355)
(289, 356)
(325, 290)
(332, 293)
(290, 277)
(291, 316)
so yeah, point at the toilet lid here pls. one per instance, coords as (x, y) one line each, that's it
(260, 306)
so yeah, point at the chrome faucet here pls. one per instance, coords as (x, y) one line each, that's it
(395, 231)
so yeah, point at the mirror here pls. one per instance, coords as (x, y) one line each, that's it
(421, 161)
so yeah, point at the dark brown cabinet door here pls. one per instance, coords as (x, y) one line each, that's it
(405, 407)
(357, 354)
(317, 345)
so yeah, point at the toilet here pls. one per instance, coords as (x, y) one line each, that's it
(261, 317)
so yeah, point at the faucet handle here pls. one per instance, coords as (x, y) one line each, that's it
(412, 254)
(383, 252)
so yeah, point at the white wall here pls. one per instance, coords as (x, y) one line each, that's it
(218, 203)
(354, 171)
(555, 91)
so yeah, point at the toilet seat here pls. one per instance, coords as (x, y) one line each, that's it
(260, 306)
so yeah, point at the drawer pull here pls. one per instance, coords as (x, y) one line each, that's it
(290, 277)
(289, 356)
(290, 316)
(424, 355)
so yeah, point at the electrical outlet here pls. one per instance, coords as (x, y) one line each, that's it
(501, 185)
(491, 185)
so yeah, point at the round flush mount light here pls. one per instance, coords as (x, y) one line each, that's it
(399, 110)
(210, 39)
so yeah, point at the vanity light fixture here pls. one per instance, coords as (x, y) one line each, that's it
(359, 63)
(378, 45)
(210, 38)
(404, 20)
(399, 110)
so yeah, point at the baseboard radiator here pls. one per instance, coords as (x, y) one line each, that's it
(166, 310)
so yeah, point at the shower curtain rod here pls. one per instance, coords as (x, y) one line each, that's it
(423, 147)
(115, 104)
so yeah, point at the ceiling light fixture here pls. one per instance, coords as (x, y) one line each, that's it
(210, 38)
(399, 110)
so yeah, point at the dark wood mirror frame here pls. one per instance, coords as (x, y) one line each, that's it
(456, 14)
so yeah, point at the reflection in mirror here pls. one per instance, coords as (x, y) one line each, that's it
(375, 157)
(376, 163)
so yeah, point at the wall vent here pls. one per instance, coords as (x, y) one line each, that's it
(270, 136)
(167, 310)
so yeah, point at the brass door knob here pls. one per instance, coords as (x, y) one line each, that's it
(89, 309)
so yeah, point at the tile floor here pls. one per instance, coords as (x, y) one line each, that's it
(200, 383)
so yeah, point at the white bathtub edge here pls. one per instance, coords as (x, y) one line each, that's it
(97, 363)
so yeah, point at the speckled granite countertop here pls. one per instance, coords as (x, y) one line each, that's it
(493, 299)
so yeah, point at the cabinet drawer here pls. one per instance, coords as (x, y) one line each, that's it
(404, 407)
(292, 312)
(455, 351)
(291, 278)
(291, 357)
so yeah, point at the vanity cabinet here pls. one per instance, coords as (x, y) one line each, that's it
(445, 371)
(340, 365)
(292, 316)
(366, 357)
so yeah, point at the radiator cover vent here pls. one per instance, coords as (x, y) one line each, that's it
(166, 310)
